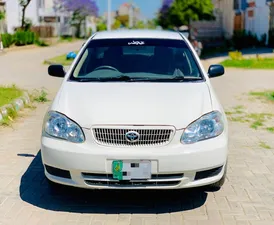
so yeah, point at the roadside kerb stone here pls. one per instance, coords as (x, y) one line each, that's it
(17, 105)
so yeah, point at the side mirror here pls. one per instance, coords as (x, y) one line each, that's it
(216, 71)
(56, 71)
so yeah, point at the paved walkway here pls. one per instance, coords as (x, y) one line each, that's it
(246, 198)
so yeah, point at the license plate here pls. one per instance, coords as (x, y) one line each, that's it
(125, 170)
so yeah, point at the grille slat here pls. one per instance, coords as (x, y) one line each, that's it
(117, 136)
(157, 180)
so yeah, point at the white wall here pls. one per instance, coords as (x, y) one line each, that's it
(14, 12)
(226, 8)
(259, 24)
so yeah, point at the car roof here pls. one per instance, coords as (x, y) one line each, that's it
(120, 34)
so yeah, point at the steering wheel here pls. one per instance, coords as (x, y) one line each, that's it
(106, 67)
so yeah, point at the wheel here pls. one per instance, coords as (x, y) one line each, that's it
(221, 182)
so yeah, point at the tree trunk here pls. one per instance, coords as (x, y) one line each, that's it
(24, 7)
(78, 29)
(23, 17)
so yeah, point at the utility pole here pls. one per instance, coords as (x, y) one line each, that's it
(131, 14)
(109, 14)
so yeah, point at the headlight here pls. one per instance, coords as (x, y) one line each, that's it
(59, 126)
(208, 126)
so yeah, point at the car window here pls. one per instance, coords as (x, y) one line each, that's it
(147, 59)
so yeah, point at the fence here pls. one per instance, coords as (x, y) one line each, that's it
(210, 33)
(44, 31)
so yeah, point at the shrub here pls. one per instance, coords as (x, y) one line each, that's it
(41, 43)
(24, 38)
(7, 40)
(263, 40)
(243, 39)
(236, 55)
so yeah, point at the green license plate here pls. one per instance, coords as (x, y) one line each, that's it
(131, 170)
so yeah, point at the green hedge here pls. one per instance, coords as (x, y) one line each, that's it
(19, 38)
(24, 38)
(7, 40)
(243, 39)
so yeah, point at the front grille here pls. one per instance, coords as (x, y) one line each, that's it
(147, 137)
(155, 181)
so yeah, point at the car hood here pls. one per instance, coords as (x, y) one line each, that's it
(175, 104)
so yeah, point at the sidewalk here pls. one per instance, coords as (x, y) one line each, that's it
(247, 53)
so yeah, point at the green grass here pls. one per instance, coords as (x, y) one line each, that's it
(264, 145)
(254, 63)
(8, 94)
(256, 120)
(269, 95)
(11, 116)
(61, 59)
(255, 125)
(270, 129)
(39, 96)
(236, 110)
(259, 119)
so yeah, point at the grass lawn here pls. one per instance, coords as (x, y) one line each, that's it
(254, 63)
(8, 94)
(269, 95)
(61, 59)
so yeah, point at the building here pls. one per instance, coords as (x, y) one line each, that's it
(3, 25)
(131, 10)
(270, 3)
(257, 17)
(40, 12)
(126, 9)
(238, 15)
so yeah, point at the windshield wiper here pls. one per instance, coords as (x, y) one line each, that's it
(106, 79)
(177, 79)
(136, 79)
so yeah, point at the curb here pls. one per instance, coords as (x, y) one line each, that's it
(48, 62)
(16, 105)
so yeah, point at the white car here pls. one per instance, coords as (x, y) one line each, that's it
(136, 110)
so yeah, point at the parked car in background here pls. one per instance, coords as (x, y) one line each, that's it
(136, 110)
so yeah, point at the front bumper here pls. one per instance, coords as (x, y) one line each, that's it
(174, 166)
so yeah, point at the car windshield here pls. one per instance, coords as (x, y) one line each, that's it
(134, 60)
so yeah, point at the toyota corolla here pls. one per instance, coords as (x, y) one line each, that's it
(136, 110)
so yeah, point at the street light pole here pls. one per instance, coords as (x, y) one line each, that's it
(109, 15)
(131, 14)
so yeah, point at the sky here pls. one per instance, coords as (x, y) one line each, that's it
(148, 7)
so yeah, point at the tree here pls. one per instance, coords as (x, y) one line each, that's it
(175, 13)
(2, 15)
(79, 9)
(116, 25)
(164, 11)
(152, 24)
(124, 19)
(101, 26)
(140, 25)
(24, 4)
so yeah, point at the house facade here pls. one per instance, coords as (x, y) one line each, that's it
(125, 10)
(3, 24)
(40, 12)
(238, 15)
(224, 12)
(257, 17)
